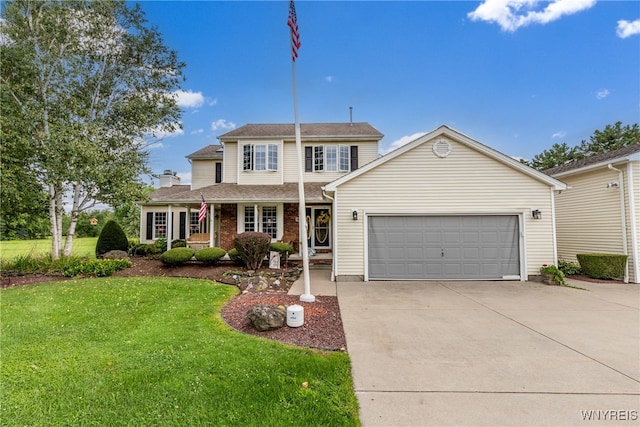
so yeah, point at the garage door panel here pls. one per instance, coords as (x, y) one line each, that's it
(443, 247)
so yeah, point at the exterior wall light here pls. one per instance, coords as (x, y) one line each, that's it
(355, 215)
(536, 214)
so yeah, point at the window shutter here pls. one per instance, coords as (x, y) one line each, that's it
(354, 157)
(183, 225)
(247, 160)
(308, 159)
(149, 225)
(218, 173)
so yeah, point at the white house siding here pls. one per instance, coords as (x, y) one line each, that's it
(203, 173)
(258, 177)
(633, 219)
(230, 166)
(175, 223)
(588, 215)
(464, 182)
(367, 152)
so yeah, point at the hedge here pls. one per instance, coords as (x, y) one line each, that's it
(177, 256)
(602, 266)
(210, 256)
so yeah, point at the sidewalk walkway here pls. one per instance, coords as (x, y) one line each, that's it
(319, 282)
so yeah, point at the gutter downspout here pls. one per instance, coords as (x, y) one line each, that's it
(624, 220)
(633, 219)
(334, 232)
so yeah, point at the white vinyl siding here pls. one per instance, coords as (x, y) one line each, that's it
(464, 182)
(589, 218)
(203, 173)
(230, 169)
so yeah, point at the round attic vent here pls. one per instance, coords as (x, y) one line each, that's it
(442, 148)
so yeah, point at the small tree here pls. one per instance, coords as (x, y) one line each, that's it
(252, 247)
(112, 238)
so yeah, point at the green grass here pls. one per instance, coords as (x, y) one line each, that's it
(10, 249)
(155, 351)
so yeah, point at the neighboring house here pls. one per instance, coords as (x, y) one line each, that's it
(600, 212)
(249, 183)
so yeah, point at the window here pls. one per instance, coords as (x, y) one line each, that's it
(260, 157)
(318, 158)
(344, 158)
(249, 218)
(160, 224)
(331, 157)
(270, 221)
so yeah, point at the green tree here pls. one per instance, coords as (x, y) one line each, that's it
(610, 138)
(558, 154)
(88, 84)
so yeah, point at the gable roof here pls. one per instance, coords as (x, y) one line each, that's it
(307, 131)
(461, 138)
(213, 151)
(627, 153)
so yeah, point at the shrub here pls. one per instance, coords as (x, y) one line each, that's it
(179, 243)
(177, 256)
(569, 268)
(210, 256)
(96, 267)
(602, 266)
(235, 257)
(111, 238)
(252, 247)
(554, 274)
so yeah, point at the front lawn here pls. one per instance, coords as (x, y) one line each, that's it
(155, 351)
(9, 249)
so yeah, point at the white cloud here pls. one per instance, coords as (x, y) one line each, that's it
(222, 124)
(159, 133)
(189, 99)
(560, 134)
(404, 140)
(627, 29)
(513, 14)
(196, 132)
(602, 93)
(329, 79)
(212, 102)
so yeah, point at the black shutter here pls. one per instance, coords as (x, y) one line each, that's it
(149, 225)
(354, 157)
(218, 173)
(308, 159)
(183, 225)
(247, 160)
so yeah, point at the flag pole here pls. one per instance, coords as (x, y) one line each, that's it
(302, 210)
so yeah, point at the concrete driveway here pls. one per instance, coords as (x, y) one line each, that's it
(493, 353)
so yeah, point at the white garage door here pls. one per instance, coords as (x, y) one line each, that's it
(443, 247)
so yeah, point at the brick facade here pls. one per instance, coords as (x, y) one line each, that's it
(228, 225)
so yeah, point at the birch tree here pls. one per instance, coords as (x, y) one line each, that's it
(91, 82)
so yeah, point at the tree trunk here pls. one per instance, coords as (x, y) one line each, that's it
(55, 242)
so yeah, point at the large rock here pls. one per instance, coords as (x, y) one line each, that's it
(266, 317)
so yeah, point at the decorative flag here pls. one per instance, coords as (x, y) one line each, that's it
(292, 22)
(203, 210)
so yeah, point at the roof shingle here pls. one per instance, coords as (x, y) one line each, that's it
(307, 130)
(594, 160)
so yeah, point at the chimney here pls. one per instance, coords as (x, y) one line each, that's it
(168, 178)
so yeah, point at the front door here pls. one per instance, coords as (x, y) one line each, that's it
(319, 227)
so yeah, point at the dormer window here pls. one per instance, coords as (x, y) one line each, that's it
(260, 157)
(331, 158)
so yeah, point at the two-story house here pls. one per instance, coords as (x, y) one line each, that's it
(442, 207)
(249, 183)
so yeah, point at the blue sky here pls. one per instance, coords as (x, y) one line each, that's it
(517, 75)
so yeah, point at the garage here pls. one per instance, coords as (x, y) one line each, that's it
(447, 247)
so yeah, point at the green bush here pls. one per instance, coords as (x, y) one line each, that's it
(177, 256)
(235, 257)
(252, 247)
(111, 238)
(179, 243)
(602, 266)
(281, 247)
(210, 256)
(96, 267)
(569, 268)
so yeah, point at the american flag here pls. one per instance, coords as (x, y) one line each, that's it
(292, 22)
(203, 210)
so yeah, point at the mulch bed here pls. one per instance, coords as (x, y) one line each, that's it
(322, 328)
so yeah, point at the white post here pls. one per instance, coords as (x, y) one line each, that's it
(169, 227)
(211, 225)
(302, 210)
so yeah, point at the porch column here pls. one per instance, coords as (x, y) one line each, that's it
(211, 228)
(169, 227)
(188, 225)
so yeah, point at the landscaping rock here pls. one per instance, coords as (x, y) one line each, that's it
(116, 255)
(266, 317)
